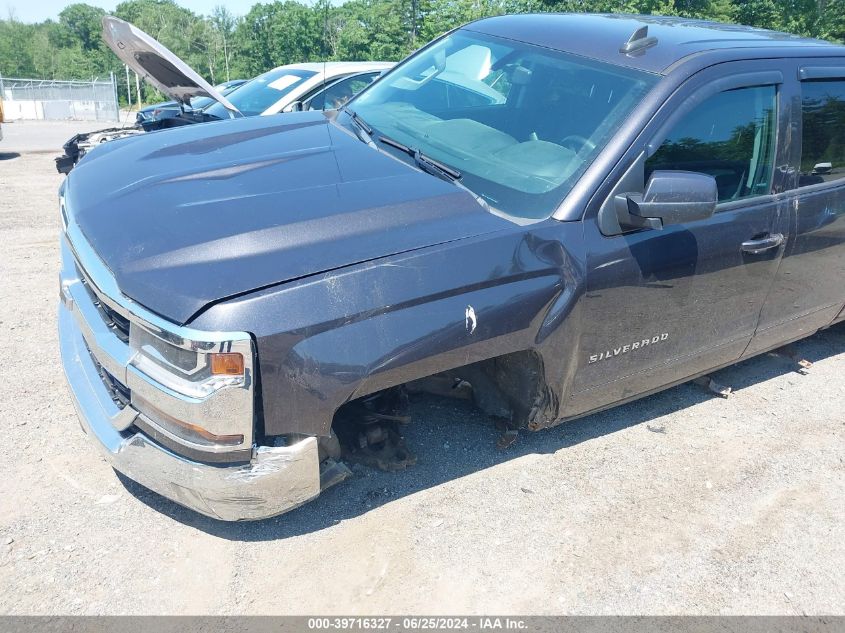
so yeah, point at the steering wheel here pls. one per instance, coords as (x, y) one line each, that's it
(577, 143)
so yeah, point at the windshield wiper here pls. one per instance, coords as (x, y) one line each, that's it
(424, 162)
(434, 167)
(362, 130)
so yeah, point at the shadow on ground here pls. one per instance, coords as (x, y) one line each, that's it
(9, 155)
(452, 439)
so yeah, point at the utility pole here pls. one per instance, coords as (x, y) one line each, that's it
(138, 89)
(114, 92)
(128, 88)
(226, 56)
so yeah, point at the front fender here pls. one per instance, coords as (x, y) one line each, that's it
(334, 337)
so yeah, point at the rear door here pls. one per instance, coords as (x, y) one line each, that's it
(663, 305)
(809, 290)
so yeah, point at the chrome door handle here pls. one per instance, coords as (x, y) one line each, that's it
(755, 247)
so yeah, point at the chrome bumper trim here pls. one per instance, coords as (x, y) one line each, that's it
(277, 479)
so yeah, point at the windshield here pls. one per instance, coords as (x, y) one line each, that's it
(254, 97)
(521, 123)
(198, 103)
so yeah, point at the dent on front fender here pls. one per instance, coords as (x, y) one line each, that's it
(334, 337)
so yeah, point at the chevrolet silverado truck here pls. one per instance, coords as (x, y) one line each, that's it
(245, 307)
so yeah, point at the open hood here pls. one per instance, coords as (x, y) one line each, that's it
(157, 65)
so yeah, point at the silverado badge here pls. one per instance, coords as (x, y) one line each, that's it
(628, 347)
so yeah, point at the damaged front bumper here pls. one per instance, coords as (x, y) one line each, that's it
(77, 146)
(192, 442)
(276, 480)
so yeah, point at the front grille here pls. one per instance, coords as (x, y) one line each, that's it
(120, 393)
(116, 322)
(117, 325)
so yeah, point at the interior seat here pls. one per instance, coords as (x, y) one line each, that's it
(474, 137)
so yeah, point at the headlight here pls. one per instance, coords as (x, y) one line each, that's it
(196, 373)
(62, 210)
(198, 393)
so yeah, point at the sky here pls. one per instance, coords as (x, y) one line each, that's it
(39, 10)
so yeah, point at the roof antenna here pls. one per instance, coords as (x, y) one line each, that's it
(638, 42)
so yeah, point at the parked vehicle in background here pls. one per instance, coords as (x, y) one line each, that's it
(282, 89)
(168, 109)
(335, 95)
(245, 307)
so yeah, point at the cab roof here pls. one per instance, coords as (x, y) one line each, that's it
(600, 36)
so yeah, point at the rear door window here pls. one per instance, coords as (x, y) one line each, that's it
(823, 132)
(730, 136)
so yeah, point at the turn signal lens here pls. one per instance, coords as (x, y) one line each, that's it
(183, 430)
(225, 440)
(228, 364)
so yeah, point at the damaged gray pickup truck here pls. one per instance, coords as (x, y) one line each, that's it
(559, 212)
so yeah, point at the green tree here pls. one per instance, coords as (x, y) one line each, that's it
(223, 25)
(15, 56)
(831, 23)
(222, 46)
(277, 33)
(82, 25)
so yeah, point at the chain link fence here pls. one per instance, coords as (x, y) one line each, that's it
(52, 100)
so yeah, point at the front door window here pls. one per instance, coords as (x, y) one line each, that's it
(730, 136)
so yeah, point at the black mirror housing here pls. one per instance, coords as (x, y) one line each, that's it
(670, 197)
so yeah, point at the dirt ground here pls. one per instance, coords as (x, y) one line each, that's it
(681, 503)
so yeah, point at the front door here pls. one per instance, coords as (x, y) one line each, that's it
(663, 305)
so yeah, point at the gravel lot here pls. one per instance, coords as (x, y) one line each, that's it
(680, 503)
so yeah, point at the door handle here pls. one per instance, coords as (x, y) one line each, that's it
(755, 247)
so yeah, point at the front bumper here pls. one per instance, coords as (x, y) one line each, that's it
(113, 400)
(275, 481)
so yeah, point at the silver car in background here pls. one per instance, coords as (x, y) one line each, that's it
(285, 88)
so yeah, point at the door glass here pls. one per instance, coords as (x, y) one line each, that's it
(256, 96)
(335, 96)
(730, 136)
(823, 136)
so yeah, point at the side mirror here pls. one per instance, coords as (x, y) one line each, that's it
(670, 197)
(295, 106)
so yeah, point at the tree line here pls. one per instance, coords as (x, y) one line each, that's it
(223, 46)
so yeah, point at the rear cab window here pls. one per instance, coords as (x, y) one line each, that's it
(823, 132)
